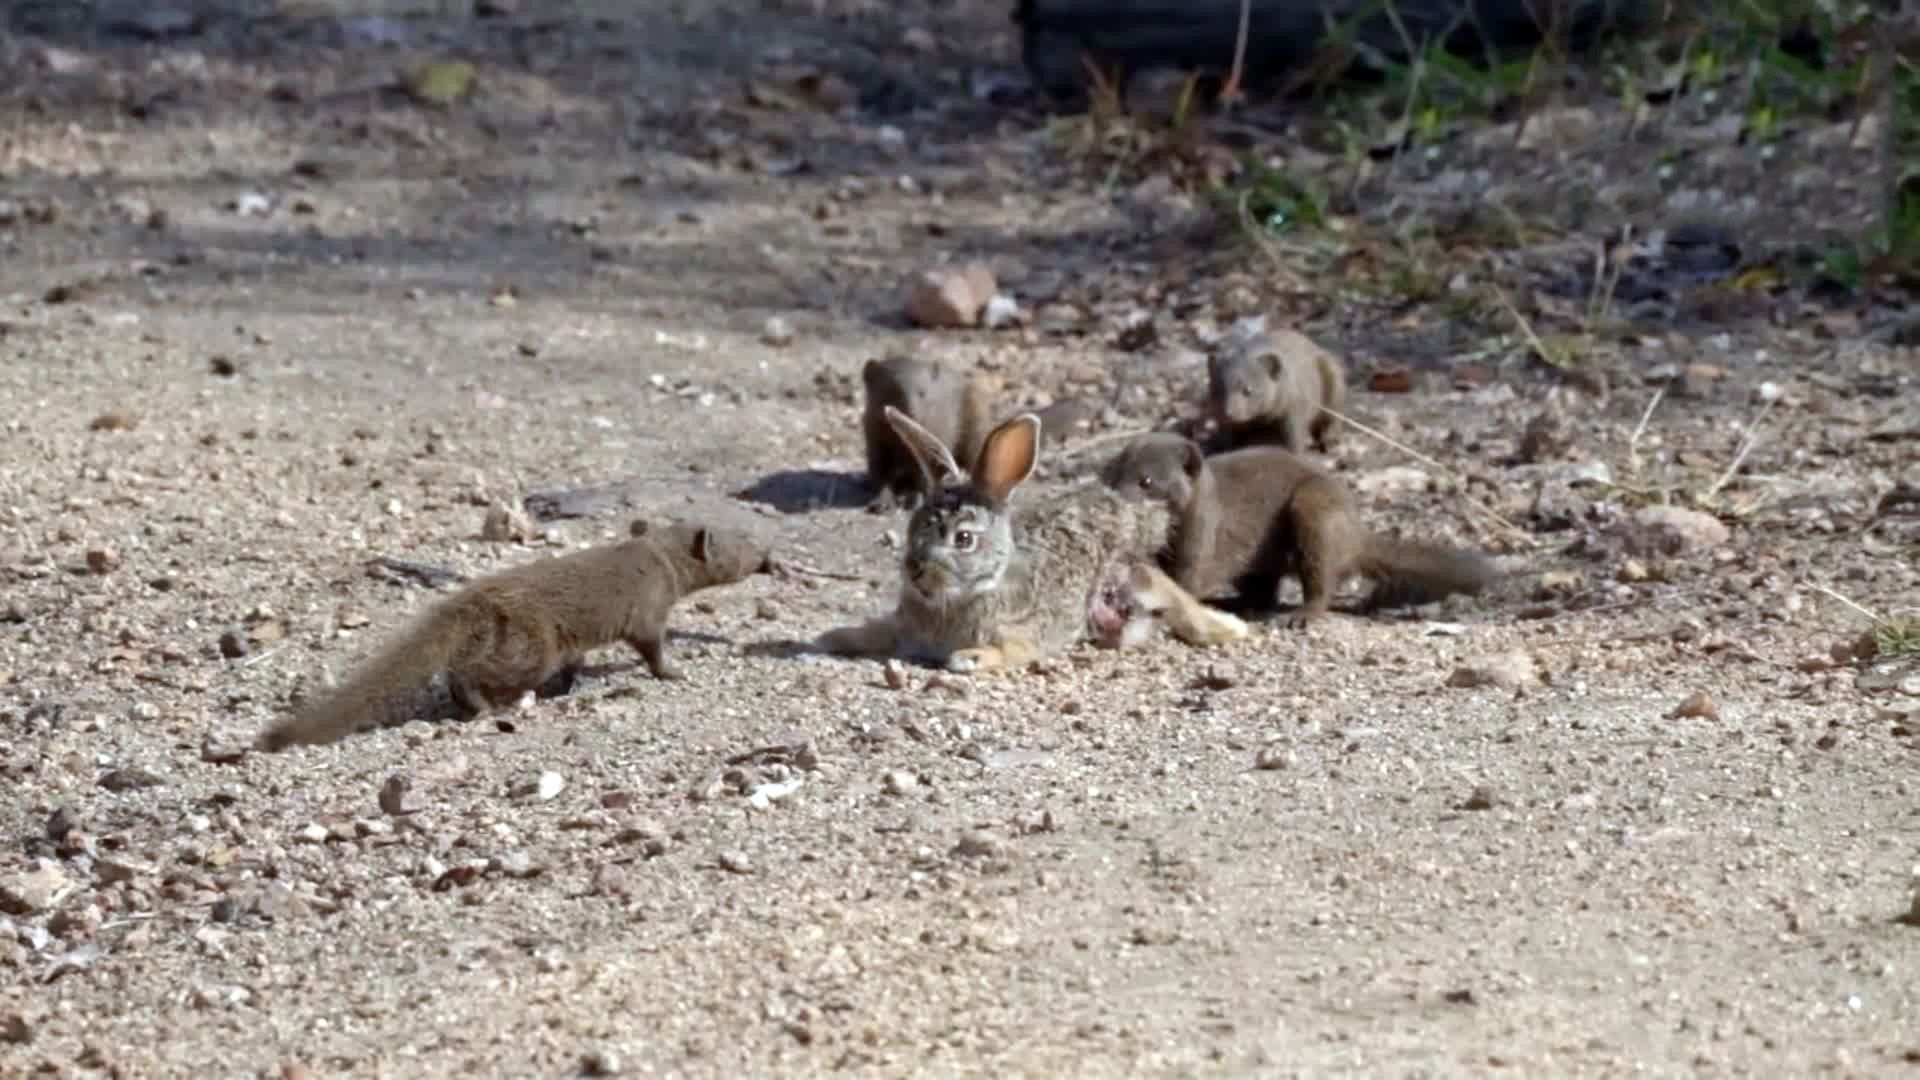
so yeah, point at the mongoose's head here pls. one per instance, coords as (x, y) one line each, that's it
(719, 555)
(914, 385)
(1159, 468)
(1240, 382)
(1122, 606)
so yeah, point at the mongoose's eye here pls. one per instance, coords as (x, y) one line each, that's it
(1146, 483)
(963, 539)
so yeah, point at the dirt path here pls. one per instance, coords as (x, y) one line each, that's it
(328, 324)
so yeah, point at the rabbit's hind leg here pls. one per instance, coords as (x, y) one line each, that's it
(878, 636)
(1186, 616)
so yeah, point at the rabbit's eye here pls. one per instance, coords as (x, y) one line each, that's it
(963, 539)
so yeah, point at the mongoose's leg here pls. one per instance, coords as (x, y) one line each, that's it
(1318, 566)
(653, 650)
(562, 681)
(1011, 648)
(1294, 431)
(891, 496)
(1253, 592)
(1191, 620)
(1322, 430)
(467, 700)
(875, 637)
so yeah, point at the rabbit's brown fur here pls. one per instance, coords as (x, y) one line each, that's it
(986, 585)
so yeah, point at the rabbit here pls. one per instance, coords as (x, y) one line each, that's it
(988, 585)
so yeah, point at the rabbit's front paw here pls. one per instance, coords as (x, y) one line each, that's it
(985, 658)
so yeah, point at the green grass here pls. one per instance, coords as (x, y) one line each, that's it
(1748, 59)
(1270, 199)
(1897, 637)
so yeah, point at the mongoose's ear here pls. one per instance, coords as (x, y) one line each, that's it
(1195, 460)
(1007, 456)
(1273, 364)
(702, 542)
(937, 467)
(638, 527)
(870, 371)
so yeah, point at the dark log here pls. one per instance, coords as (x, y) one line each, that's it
(1128, 36)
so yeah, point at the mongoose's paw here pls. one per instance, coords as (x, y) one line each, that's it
(892, 502)
(669, 672)
(1303, 619)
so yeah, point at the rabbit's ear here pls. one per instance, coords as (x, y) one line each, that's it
(1007, 456)
(937, 468)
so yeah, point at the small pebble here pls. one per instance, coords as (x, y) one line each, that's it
(610, 879)
(218, 752)
(977, 845)
(734, 862)
(14, 1030)
(1696, 706)
(600, 1063)
(113, 869)
(1002, 311)
(505, 523)
(397, 796)
(1273, 758)
(1481, 798)
(948, 297)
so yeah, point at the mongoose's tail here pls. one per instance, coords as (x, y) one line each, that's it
(406, 680)
(1409, 572)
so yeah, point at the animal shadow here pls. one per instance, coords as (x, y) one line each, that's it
(799, 491)
(781, 649)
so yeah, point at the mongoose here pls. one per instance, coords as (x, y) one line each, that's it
(1273, 386)
(951, 404)
(956, 407)
(1246, 519)
(527, 628)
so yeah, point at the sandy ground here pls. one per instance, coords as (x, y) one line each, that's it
(325, 324)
